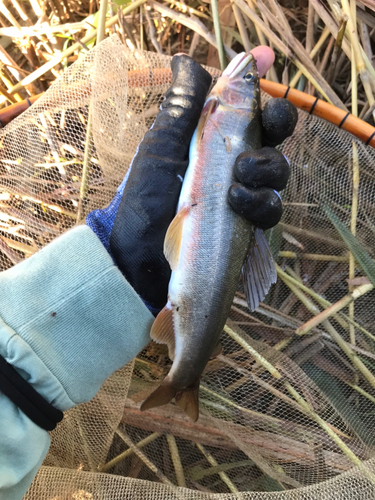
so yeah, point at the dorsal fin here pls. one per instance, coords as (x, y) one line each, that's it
(173, 238)
(162, 330)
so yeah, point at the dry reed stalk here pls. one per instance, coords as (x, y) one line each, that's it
(241, 27)
(180, 476)
(310, 28)
(224, 477)
(64, 54)
(336, 307)
(357, 51)
(198, 475)
(298, 292)
(285, 32)
(149, 439)
(190, 10)
(307, 67)
(36, 30)
(259, 358)
(12, 256)
(341, 318)
(314, 256)
(362, 392)
(268, 387)
(21, 12)
(28, 250)
(349, 353)
(354, 208)
(137, 451)
(194, 44)
(301, 401)
(219, 40)
(7, 95)
(6, 13)
(323, 37)
(152, 32)
(313, 235)
(330, 329)
(262, 39)
(193, 24)
(337, 47)
(353, 225)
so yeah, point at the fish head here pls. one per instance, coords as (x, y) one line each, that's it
(238, 86)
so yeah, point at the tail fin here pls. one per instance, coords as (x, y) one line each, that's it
(187, 399)
(188, 402)
(160, 397)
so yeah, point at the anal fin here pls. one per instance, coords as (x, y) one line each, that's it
(258, 271)
(173, 238)
(162, 330)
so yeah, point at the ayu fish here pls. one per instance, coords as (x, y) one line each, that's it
(207, 243)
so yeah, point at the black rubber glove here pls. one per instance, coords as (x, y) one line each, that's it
(150, 197)
(264, 172)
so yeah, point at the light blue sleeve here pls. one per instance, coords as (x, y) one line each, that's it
(68, 319)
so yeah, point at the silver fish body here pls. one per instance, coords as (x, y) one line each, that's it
(207, 243)
(214, 245)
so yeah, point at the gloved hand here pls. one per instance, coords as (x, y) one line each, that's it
(133, 226)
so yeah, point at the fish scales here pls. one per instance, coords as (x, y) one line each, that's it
(213, 248)
(207, 242)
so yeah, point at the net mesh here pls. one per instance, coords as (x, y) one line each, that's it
(283, 416)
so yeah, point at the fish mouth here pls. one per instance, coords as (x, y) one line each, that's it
(237, 65)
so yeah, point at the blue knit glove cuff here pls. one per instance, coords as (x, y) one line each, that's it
(101, 221)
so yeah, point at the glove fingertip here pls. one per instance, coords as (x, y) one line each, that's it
(262, 207)
(279, 119)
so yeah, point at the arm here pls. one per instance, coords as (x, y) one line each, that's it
(63, 313)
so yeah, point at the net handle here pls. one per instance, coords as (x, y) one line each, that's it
(312, 105)
(315, 106)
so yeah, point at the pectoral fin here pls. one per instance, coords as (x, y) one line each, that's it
(258, 271)
(162, 330)
(208, 109)
(173, 238)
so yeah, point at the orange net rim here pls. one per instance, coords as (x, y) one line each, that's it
(306, 102)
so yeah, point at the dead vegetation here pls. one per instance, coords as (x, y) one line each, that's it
(289, 402)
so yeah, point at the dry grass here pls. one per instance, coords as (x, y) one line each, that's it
(325, 49)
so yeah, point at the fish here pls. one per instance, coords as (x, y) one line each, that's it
(208, 244)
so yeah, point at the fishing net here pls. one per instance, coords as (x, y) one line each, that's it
(287, 409)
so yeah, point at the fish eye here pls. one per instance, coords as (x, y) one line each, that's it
(249, 77)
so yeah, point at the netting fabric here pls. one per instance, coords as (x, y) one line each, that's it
(285, 413)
